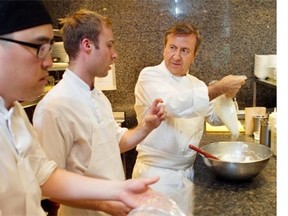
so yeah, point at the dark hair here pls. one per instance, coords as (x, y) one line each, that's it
(183, 28)
(20, 15)
(82, 24)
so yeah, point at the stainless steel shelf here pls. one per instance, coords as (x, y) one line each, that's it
(58, 66)
(270, 82)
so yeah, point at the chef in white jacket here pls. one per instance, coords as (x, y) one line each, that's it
(26, 38)
(187, 99)
(75, 121)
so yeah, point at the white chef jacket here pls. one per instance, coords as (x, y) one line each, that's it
(24, 166)
(78, 130)
(165, 152)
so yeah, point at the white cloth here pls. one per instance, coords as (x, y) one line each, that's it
(24, 166)
(77, 130)
(165, 152)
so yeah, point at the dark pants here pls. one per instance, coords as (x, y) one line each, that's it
(50, 207)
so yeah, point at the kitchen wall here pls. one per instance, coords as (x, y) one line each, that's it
(233, 30)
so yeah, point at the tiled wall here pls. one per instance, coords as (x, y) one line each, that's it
(233, 30)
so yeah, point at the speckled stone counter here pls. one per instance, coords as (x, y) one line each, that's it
(214, 196)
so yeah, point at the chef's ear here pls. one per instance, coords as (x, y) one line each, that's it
(86, 44)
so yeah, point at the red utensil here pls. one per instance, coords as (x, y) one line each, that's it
(206, 154)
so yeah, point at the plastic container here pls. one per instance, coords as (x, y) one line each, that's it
(256, 135)
(273, 129)
(157, 204)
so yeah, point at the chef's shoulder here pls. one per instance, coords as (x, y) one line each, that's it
(196, 81)
(153, 72)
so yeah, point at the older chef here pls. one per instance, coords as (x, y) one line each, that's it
(26, 37)
(187, 99)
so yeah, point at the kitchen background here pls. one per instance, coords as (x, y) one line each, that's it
(233, 31)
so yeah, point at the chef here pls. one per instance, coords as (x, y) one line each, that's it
(26, 38)
(188, 103)
(75, 121)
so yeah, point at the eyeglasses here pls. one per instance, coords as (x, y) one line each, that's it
(43, 50)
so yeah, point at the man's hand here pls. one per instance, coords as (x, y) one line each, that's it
(156, 114)
(113, 208)
(232, 84)
(228, 85)
(137, 191)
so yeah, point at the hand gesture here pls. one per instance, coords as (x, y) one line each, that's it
(228, 85)
(156, 114)
(231, 84)
(136, 191)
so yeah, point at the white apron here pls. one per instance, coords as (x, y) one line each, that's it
(105, 163)
(20, 192)
(176, 183)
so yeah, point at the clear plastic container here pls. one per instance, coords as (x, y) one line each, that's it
(273, 129)
(157, 205)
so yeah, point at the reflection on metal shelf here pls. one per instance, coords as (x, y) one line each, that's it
(268, 81)
(57, 33)
(57, 66)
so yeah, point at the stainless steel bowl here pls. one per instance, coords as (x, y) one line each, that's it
(238, 160)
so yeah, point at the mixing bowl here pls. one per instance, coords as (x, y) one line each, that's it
(238, 160)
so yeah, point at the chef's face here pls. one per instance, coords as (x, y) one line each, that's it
(179, 53)
(23, 74)
(105, 55)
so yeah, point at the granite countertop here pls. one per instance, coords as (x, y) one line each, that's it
(214, 196)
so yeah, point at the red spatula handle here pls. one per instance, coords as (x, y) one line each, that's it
(206, 154)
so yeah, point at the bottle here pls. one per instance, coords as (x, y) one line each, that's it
(264, 133)
(273, 129)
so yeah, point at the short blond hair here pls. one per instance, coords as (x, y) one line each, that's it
(82, 24)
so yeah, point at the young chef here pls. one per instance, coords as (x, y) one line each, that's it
(26, 37)
(75, 121)
(165, 151)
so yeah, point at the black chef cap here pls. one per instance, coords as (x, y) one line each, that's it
(16, 15)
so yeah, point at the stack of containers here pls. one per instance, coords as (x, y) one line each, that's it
(265, 66)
